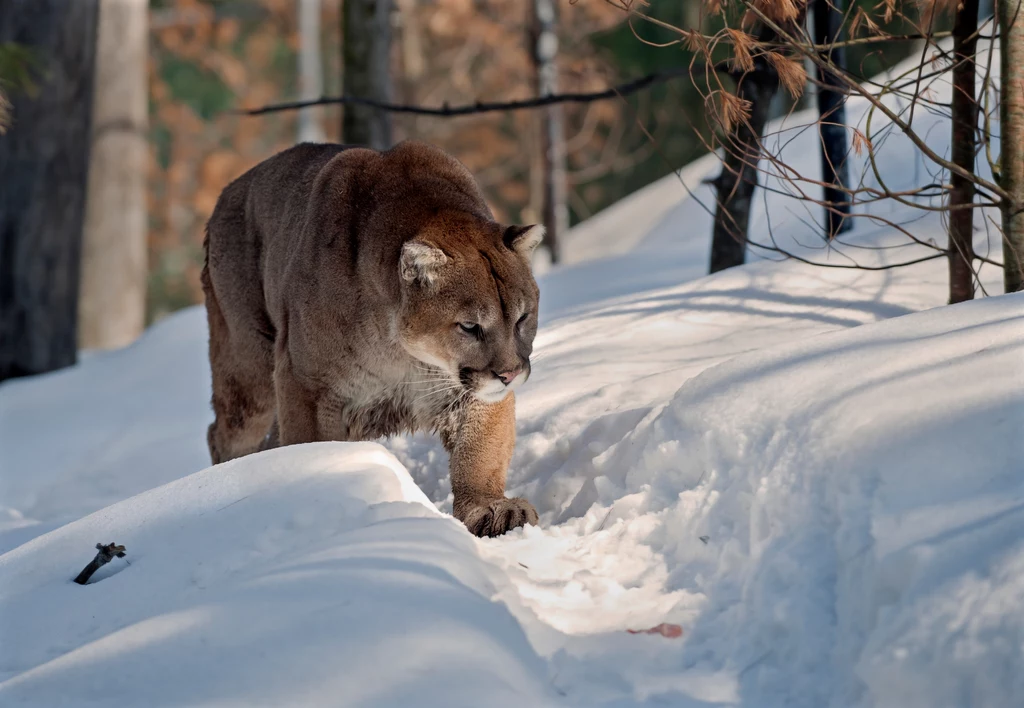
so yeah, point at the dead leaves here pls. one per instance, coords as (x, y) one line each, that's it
(792, 74)
(729, 110)
(862, 18)
(780, 11)
(860, 142)
(742, 44)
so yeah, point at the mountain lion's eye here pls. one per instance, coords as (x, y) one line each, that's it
(522, 319)
(470, 328)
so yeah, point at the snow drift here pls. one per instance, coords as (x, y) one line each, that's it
(314, 576)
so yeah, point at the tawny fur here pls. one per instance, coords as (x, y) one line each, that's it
(336, 279)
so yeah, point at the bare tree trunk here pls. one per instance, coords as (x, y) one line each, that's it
(965, 123)
(1011, 143)
(828, 29)
(311, 76)
(735, 185)
(366, 55)
(112, 294)
(545, 50)
(414, 64)
(44, 159)
(533, 212)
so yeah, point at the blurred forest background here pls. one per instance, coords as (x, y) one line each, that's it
(207, 58)
(95, 93)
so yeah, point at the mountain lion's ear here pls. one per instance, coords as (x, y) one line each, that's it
(524, 239)
(421, 262)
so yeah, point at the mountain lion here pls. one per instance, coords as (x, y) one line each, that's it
(354, 294)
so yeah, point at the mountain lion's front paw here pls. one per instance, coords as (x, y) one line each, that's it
(500, 516)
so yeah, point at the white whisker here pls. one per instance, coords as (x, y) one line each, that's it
(435, 392)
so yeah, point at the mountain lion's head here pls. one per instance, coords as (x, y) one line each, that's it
(469, 302)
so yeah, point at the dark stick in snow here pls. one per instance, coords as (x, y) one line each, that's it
(106, 554)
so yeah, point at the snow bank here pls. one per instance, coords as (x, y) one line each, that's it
(119, 423)
(311, 576)
(838, 521)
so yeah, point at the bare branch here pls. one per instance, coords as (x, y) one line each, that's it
(625, 89)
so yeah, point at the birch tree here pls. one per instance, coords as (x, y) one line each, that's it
(112, 296)
(552, 130)
(311, 78)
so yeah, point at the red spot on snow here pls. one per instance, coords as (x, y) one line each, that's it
(672, 631)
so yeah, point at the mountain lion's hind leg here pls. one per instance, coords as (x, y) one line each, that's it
(243, 391)
(296, 404)
(480, 451)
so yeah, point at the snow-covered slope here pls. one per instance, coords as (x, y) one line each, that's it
(817, 481)
(836, 521)
(314, 576)
(119, 423)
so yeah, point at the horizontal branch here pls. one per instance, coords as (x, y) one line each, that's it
(857, 41)
(620, 91)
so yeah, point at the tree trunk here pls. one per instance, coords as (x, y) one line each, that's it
(552, 131)
(311, 75)
(44, 162)
(414, 64)
(1011, 143)
(366, 55)
(735, 185)
(965, 123)
(112, 296)
(828, 28)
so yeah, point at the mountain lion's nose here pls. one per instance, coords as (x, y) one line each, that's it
(508, 377)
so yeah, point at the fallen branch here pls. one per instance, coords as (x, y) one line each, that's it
(671, 631)
(106, 554)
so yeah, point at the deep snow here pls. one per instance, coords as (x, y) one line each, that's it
(818, 482)
(315, 576)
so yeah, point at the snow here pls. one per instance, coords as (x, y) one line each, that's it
(815, 472)
(317, 574)
(120, 423)
(863, 509)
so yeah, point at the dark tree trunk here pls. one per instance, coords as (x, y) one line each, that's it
(545, 49)
(43, 169)
(366, 57)
(964, 152)
(828, 28)
(1011, 144)
(736, 183)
